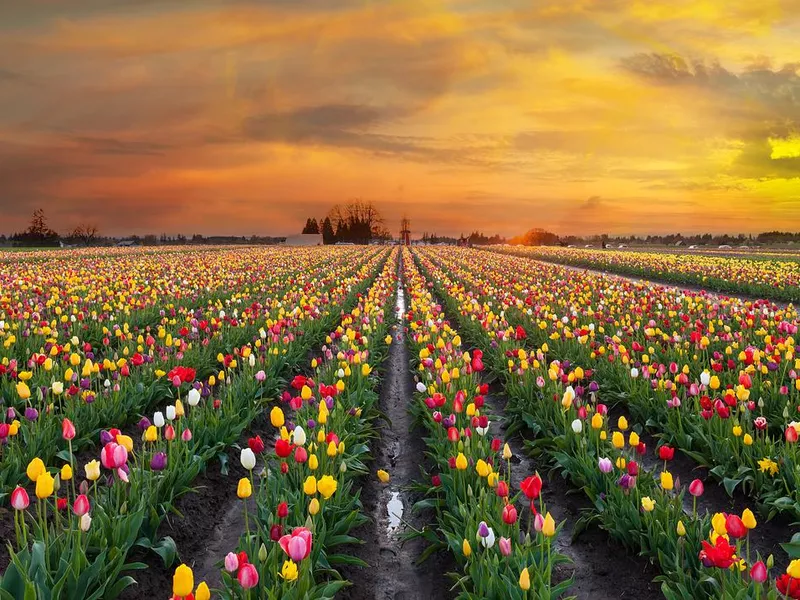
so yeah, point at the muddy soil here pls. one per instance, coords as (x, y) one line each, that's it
(392, 572)
(602, 569)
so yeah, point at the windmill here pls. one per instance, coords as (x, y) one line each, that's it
(405, 231)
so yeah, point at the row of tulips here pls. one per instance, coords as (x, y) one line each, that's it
(103, 385)
(770, 276)
(699, 555)
(480, 515)
(305, 489)
(716, 378)
(135, 482)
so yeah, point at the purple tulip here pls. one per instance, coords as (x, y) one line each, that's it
(483, 529)
(105, 437)
(311, 424)
(144, 423)
(594, 386)
(31, 413)
(158, 462)
(605, 465)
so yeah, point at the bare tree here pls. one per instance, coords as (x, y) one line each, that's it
(85, 233)
(357, 221)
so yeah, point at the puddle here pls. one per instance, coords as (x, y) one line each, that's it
(400, 305)
(394, 509)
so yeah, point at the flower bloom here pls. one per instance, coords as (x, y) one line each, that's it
(182, 581)
(297, 546)
(248, 576)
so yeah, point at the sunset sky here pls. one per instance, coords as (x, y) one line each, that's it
(243, 117)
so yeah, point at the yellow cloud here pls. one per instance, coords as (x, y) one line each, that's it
(788, 147)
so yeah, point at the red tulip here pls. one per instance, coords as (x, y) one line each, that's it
(759, 572)
(502, 489)
(169, 433)
(436, 481)
(300, 455)
(666, 453)
(81, 505)
(509, 514)
(532, 486)
(67, 429)
(282, 448)
(275, 532)
(248, 576)
(791, 434)
(256, 444)
(735, 526)
(452, 434)
(788, 586)
(719, 555)
(283, 510)
(61, 503)
(633, 468)
(20, 499)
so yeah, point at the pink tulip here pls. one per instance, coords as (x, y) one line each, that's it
(67, 429)
(113, 456)
(297, 545)
(81, 505)
(538, 522)
(186, 436)
(505, 546)
(20, 499)
(696, 488)
(231, 562)
(248, 576)
(759, 572)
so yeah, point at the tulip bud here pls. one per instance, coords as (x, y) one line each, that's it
(86, 522)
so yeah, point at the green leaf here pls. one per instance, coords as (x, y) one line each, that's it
(730, 484)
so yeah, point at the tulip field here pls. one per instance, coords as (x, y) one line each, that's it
(198, 423)
(765, 275)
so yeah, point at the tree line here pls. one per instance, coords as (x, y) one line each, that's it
(357, 222)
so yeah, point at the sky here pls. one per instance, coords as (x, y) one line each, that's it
(246, 117)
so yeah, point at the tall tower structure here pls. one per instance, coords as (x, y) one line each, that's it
(405, 231)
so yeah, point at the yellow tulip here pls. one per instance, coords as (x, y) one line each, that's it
(305, 393)
(461, 461)
(92, 470)
(482, 468)
(313, 462)
(66, 473)
(276, 417)
(23, 391)
(182, 581)
(622, 423)
(648, 504)
(466, 548)
(749, 519)
(666, 480)
(44, 485)
(525, 580)
(244, 489)
(597, 421)
(718, 524)
(794, 569)
(313, 507)
(681, 530)
(618, 440)
(289, 570)
(383, 476)
(327, 486)
(202, 593)
(125, 441)
(549, 526)
(151, 434)
(310, 486)
(331, 452)
(35, 468)
(633, 439)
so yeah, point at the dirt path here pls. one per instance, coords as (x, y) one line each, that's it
(393, 574)
(602, 569)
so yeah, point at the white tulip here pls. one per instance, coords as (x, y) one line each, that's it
(86, 522)
(158, 419)
(634, 372)
(340, 373)
(705, 377)
(488, 541)
(251, 360)
(194, 397)
(58, 388)
(299, 436)
(421, 387)
(248, 459)
(577, 426)
(171, 412)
